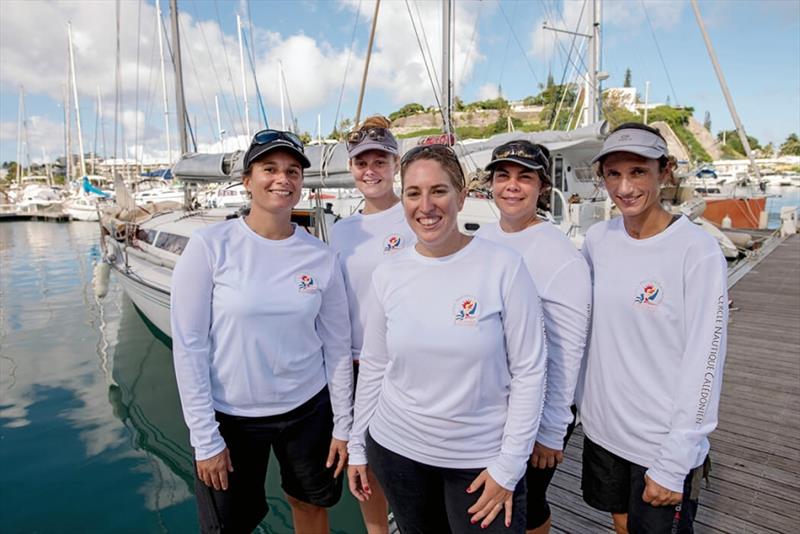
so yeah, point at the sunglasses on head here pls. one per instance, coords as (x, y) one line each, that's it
(524, 151)
(443, 150)
(374, 134)
(265, 137)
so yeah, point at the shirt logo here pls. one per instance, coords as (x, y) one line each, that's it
(466, 311)
(306, 283)
(649, 294)
(392, 243)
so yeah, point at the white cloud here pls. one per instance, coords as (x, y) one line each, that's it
(488, 91)
(577, 17)
(33, 52)
(397, 66)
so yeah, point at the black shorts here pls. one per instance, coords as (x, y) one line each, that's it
(300, 438)
(538, 480)
(615, 485)
(429, 499)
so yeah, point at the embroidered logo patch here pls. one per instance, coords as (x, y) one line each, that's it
(466, 311)
(305, 283)
(648, 294)
(392, 243)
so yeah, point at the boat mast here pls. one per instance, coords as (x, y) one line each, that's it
(595, 80)
(220, 133)
(447, 82)
(75, 94)
(280, 89)
(244, 80)
(163, 80)
(19, 137)
(366, 65)
(724, 86)
(179, 102)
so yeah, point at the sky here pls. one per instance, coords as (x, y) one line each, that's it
(320, 49)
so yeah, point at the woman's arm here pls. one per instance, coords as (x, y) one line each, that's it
(696, 399)
(525, 344)
(333, 328)
(372, 366)
(190, 318)
(566, 305)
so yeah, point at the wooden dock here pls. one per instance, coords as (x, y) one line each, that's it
(755, 451)
(55, 216)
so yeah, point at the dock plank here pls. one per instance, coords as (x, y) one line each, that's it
(754, 486)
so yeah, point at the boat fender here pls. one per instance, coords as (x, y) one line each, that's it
(726, 221)
(101, 275)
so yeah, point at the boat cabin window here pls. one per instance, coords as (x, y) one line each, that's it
(559, 181)
(146, 236)
(171, 242)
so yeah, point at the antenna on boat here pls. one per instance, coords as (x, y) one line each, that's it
(724, 86)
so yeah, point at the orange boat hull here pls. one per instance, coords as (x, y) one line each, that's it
(743, 212)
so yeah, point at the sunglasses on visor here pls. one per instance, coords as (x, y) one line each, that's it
(524, 151)
(264, 137)
(374, 134)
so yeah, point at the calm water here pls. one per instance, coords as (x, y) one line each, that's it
(91, 434)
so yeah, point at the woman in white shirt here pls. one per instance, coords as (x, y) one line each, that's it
(657, 347)
(261, 343)
(452, 368)
(363, 240)
(519, 177)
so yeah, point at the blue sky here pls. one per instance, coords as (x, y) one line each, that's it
(757, 43)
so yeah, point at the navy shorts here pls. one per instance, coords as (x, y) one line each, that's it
(615, 485)
(428, 499)
(538, 480)
(300, 438)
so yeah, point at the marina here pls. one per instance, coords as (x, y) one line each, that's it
(88, 385)
(92, 433)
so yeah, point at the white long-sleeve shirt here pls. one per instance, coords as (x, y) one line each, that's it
(562, 278)
(259, 327)
(361, 242)
(453, 364)
(657, 346)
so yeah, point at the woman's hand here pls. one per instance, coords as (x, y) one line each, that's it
(359, 482)
(545, 457)
(657, 495)
(338, 448)
(494, 499)
(214, 471)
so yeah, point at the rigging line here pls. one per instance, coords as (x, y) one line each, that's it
(230, 74)
(150, 83)
(117, 85)
(214, 69)
(425, 61)
(658, 48)
(137, 156)
(521, 49)
(346, 68)
(199, 85)
(505, 52)
(565, 90)
(472, 39)
(428, 48)
(255, 81)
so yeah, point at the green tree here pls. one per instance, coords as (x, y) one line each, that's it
(678, 119)
(406, 111)
(733, 142)
(707, 121)
(459, 104)
(790, 147)
(339, 131)
(305, 137)
(627, 82)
